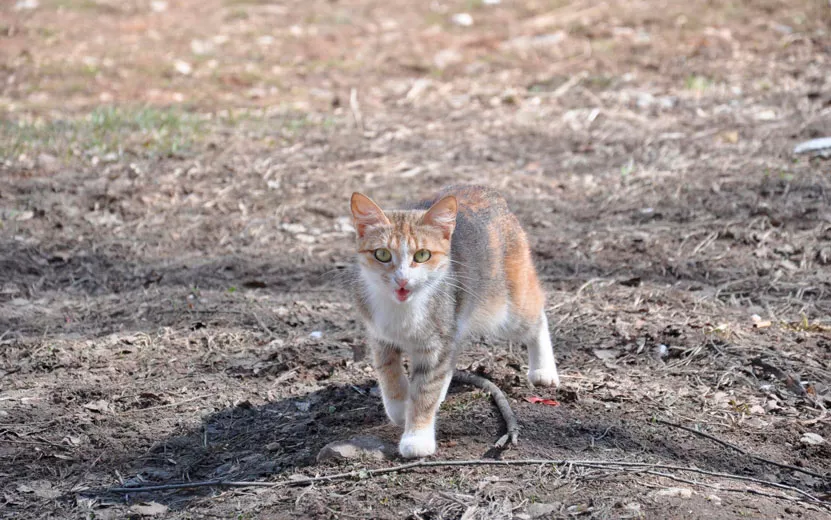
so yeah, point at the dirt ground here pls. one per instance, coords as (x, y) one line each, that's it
(174, 181)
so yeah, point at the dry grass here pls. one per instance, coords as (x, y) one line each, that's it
(173, 189)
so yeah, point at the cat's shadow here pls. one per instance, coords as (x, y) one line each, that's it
(247, 442)
(282, 437)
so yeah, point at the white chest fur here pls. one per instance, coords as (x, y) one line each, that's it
(404, 324)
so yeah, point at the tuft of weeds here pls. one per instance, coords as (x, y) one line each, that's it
(806, 326)
(698, 83)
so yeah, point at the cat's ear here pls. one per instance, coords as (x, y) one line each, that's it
(366, 213)
(442, 215)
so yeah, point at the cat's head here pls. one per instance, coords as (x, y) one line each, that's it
(401, 253)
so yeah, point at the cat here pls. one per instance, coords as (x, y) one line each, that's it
(428, 278)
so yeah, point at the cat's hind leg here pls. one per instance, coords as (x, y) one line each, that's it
(392, 380)
(542, 368)
(528, 306)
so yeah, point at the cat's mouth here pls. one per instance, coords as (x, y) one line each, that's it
(402, 294)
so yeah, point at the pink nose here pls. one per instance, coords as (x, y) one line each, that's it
(402, 282)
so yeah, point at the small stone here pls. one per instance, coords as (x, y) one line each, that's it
(812, 439)
(446, 58)
(293, 228)
(462, 19)
(183, 67)
(766, 115)
(24, 216)
(540, 509)
(201, 47)
(47, 162)
(820, 146)
(149, 509)
(714, 499)
(645, 100)
(361, 447)
(26, 5)
(102, 406)
(757, 410)
(674, 492)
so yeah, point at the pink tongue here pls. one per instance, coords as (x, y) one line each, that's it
(401, 294)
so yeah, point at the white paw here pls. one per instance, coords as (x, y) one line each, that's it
(419, 443)
(544, 377)
(396, 411)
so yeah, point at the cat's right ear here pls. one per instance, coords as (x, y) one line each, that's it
(366, 213)
(442, 215)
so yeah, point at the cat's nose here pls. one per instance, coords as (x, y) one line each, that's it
(402, 282)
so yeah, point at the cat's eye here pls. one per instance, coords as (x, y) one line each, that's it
(383, 255)
(421, 256)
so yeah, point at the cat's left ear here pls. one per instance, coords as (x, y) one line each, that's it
(442, 215)
(366, 213)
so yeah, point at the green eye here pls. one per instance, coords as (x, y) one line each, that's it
(421, 256)
(383, 255)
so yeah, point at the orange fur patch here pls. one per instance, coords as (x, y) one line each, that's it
(523, 285)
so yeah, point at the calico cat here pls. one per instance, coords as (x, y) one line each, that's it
(431, 277)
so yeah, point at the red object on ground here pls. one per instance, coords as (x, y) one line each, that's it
(534, 400)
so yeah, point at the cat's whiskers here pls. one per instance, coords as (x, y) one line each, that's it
(465, 290)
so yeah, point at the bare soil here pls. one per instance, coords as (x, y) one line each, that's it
(174, 179)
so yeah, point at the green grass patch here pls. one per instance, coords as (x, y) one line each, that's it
(103, 132)
(698, 83)
(82, 5)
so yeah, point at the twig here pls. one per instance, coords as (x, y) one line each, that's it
(792, 383)
(355, 107)
(597, 464)
(264, 327)
(740, 450)
(568, 85)
(710, 486)
(468, 378)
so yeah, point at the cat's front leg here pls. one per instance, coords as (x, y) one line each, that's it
(392, 380)
(431, 372)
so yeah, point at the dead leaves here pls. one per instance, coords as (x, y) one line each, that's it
(100, 406)
(40, 488)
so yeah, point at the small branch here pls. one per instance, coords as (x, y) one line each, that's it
(264, 327)
(740, 450)
(468, 378)
(359, 474)
(717, 488)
